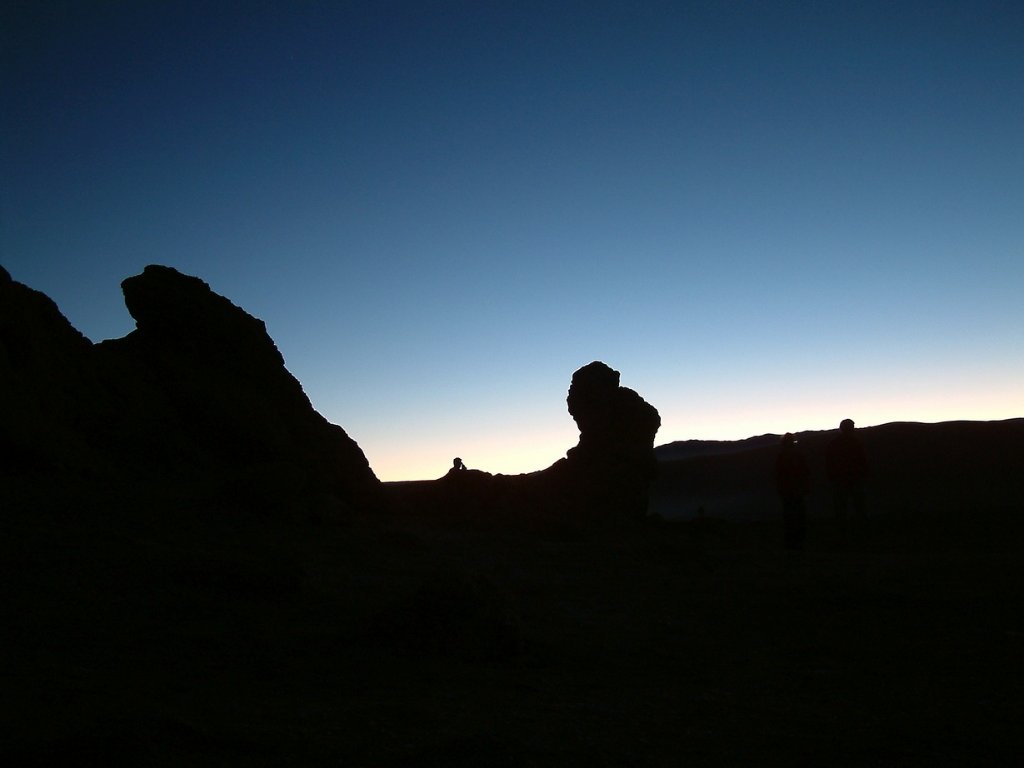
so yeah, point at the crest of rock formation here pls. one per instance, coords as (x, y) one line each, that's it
(611, 467)
(615, 423)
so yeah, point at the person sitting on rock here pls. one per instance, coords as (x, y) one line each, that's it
(457, 464)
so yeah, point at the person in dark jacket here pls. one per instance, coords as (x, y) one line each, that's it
(847, 467)
(792, 480)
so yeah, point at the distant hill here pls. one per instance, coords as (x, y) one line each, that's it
(687, 449)
(950, 467)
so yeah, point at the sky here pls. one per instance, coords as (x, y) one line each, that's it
(768, 216)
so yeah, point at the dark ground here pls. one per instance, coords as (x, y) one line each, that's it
(164, 634)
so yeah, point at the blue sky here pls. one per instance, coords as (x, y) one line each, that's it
(768, 216)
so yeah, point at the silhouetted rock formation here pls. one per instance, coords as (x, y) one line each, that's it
(197, 395)
(611, 468)
(198, 399)
(46, 383)
(226, 383)
(603, 480)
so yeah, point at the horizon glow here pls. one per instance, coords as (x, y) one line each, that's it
(766, 217)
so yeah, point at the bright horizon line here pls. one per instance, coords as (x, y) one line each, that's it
(541, 457)
(542, 441)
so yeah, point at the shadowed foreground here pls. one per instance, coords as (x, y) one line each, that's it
(385, 641)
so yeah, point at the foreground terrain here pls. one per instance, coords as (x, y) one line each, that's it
(164, 634)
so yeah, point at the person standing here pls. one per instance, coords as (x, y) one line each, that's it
(847, 467)
(792, 479)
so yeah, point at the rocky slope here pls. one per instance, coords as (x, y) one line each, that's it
(197, 397)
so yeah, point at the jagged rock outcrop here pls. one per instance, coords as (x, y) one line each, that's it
(605, 479)
(616, 424)
(611, 467)
(46, 383)
(235, 403)
(198, 396)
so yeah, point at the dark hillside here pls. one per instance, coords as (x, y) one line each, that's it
(913, 469)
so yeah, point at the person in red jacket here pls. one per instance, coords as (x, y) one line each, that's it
(792, 481)
(847, 467)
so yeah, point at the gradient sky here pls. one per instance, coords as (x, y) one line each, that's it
(768, 216)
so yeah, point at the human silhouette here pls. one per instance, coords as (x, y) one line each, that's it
(458, 472)
(847, 467)
(792, 479)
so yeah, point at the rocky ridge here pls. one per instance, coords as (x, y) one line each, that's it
(197, 401)
(196, 397)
